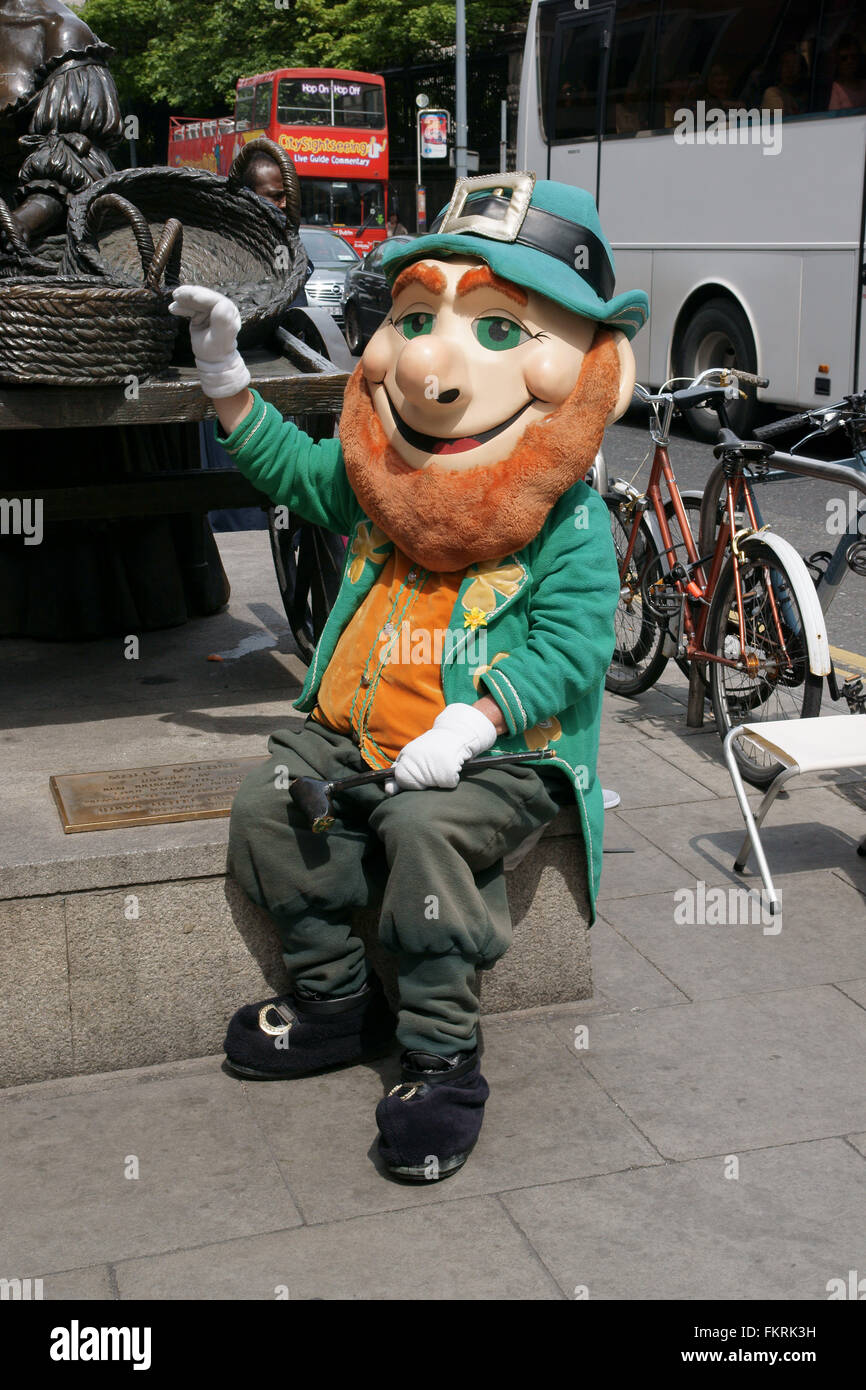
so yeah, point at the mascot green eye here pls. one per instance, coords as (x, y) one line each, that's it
(414, 325)
(499, 334)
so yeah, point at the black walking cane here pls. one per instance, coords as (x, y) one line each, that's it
(313, 797)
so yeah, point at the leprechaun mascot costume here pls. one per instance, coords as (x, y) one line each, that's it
(475, 616)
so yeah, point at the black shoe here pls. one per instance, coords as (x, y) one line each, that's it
(303, 1032)
(429, 1122)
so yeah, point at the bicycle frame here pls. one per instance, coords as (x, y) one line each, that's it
(850, 474)
(693, 629)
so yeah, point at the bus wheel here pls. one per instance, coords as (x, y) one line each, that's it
(354, 337)
(719, 336)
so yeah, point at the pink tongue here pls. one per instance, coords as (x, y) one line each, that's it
(455, 446)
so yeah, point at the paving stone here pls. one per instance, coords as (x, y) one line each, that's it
(466, 1250)
(546, 1119)
(701, 756)
(91, 1284)
(721, 1075)
(855, 989)
(205, 1173)
(810, 830)
(623, 977)
(794, 1219)
(821, 936)
(643, 869)
(35, 1028)
(646, 780)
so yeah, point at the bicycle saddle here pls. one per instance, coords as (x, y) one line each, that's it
(751, 449)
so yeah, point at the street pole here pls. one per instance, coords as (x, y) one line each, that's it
(460, 83)
(421, 101)
(503, 136)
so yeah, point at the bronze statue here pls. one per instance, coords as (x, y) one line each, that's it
(59, 114)
(59, 111)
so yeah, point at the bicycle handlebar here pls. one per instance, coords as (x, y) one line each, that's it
(777, 427)
(748, 376)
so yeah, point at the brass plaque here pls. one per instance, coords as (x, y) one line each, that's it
(148, 795)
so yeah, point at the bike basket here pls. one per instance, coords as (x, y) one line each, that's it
(233, 240)
(84, 330)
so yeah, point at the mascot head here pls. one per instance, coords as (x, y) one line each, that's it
(484, 395)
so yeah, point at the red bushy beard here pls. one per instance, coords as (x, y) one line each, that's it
(446, 519)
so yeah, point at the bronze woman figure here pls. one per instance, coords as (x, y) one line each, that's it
(59, 111)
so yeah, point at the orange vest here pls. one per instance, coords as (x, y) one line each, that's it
(384, 681)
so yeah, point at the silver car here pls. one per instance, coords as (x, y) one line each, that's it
(331, 257)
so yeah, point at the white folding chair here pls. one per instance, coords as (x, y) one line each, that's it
(801, 745)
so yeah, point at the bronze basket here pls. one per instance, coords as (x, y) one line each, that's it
(84, 330)
(233, 241)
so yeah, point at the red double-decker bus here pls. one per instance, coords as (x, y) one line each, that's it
(333, 123)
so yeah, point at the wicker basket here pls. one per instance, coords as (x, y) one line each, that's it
(85, 331)
(234, 241)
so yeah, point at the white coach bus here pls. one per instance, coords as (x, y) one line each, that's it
(725, 143)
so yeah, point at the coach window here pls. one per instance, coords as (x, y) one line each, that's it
(244, 108)
(262, 110)
(630, 79)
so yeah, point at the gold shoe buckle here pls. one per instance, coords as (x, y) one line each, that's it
(270, 1028)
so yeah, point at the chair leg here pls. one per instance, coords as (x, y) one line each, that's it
(769, 797)
(753, 835)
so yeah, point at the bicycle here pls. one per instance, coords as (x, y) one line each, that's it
(741, 614)
(828, 568)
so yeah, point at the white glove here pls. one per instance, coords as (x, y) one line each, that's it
(435, 758)
(214, 323)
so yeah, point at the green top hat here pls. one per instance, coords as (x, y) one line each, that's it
(545, 236)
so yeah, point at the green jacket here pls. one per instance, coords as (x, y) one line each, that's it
(534, 630)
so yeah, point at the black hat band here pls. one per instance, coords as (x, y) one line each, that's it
(576, 246)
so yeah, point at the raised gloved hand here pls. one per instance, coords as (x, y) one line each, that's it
(214, 323)
(434, 759)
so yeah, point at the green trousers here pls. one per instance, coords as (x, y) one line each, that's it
(432, 858)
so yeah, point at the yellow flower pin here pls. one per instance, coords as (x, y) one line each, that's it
(365, 544)
(474, 617)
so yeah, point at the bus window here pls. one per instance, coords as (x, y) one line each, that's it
(574, 99)
(840, 64)
(735, 54)
(629, 84)
(262, 107)
(340, 203)
(244, 108)
(359, 104)
(304, 101)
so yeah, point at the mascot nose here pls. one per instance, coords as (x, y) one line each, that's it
(426, 369)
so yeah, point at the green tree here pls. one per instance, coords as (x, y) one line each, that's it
(189, 54)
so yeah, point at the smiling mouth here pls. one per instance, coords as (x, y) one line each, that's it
(433, 444)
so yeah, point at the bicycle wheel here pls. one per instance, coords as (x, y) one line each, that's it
(308, 561)
(638, 659)
(780, 686)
